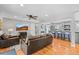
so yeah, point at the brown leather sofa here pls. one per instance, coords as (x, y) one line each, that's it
(9, 41)
(36, 43)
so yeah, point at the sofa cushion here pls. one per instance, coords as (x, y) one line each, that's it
(4, 36)
(34, 37)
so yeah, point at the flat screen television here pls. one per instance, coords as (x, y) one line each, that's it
(21, 27)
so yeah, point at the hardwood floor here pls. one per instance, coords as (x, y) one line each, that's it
(58, 47)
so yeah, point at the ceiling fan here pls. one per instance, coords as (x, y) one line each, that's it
(32, 17)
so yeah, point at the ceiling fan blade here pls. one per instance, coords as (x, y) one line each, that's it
(31, 16)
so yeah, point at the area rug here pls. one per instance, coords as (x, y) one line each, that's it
(10, 52)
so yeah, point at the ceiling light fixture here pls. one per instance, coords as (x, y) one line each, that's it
(21, 5)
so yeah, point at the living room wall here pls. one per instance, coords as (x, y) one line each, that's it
(10, 23)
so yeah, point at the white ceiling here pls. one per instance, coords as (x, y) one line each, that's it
(52, 11)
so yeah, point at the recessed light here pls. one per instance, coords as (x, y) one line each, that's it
(21, 5)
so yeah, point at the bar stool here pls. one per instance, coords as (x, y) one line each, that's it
(59, 35)
(54, 34)
(67, 35)
(63, 36)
